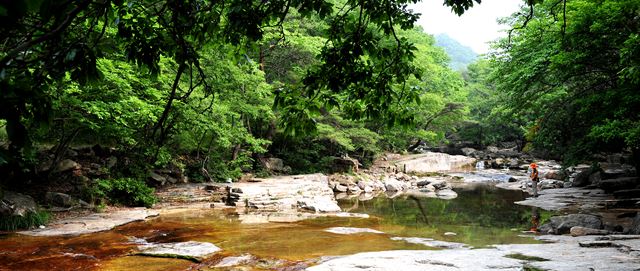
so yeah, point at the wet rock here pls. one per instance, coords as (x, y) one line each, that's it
(191, 250)
(563, 224)
(582, 231)
(58, 199)
(235, 260)
(93, 222)
(349, 230)
(618, 184)
(66, 165)
(16, 204)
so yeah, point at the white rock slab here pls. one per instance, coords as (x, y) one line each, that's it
(349, 230)
(189, 250)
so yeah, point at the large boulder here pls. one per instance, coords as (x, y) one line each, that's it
(58, 199)
(581, 179)
(582, 231)
(393, 185)
(274, 164)
(563, 224)
(16, 204)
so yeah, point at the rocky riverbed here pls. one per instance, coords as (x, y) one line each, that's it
(378, 219)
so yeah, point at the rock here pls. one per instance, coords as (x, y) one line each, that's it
(581, 179)
(354, 189)
(393, 185)
(468, 151)
(434, 162)
(191, 250)
(340, 188)
(273, 164)
(344, 164)
(16, 204)
(93, 223)
(440, 184)
(595, 178)
(349, 230)
(492, 149)
(582, 231)
(428, 188)
(563, 224)
(423, 182)
(66, 165)
(58, 199)
(446, 194)
(161, 180)
(431, 243)
(318, 205)
(553, 174)
(635, 226)
(618, 184)
(234, 261)
(450, 233)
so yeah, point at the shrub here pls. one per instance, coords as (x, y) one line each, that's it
(125, 191)
(29, 220)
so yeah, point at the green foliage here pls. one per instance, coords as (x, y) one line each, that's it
(125, 191)
(28, 221)
(573, 71)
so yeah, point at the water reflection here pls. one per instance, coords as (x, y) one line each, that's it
(481, 215)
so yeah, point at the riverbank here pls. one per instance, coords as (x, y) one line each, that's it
(297, 222)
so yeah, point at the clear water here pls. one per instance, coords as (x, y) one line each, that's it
(481, 215)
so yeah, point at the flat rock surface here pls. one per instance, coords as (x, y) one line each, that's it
(431, 242)
(564, 254)
(93, 223)
(568, 198)
(190, 249)
(299, 192)
(348, 230)
(433, 162)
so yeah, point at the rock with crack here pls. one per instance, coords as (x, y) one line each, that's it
(191, 250)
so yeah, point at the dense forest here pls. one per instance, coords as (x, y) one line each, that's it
(214, 88)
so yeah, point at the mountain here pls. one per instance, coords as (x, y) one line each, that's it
(460, 55)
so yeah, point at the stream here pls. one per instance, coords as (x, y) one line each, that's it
(481, 215)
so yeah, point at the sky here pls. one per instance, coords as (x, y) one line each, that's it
(474, 28)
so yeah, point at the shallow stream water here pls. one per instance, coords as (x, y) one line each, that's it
(480, 216)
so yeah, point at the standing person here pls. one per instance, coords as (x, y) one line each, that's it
(534, 178)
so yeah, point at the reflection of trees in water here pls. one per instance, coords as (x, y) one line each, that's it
(483, 206)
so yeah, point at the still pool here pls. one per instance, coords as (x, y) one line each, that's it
(480, 216)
